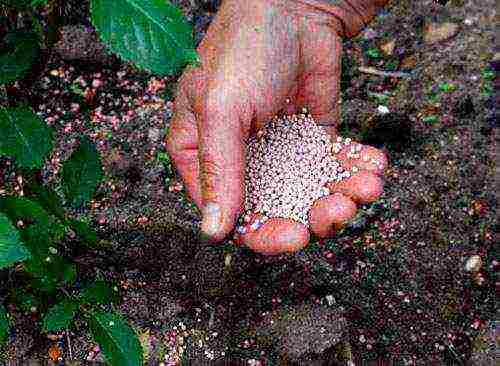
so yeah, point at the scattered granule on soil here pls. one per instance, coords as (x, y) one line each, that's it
(289, 163)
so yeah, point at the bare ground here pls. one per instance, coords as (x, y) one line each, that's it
(391, 286)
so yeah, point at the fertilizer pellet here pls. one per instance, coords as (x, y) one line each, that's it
(289, 164)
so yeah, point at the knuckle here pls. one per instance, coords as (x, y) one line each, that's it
(214, 101)
(370, 189)
(211, 169)
(219, 103)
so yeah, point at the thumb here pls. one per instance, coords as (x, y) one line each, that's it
(320, 81)
(222, 162)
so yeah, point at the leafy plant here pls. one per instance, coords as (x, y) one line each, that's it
(40, 222)
(156, 37)
(379, 98)
(432, 119)
(60, 315)
(153, 34)
(22, 4)
(488, 74)
(99, 293)
(31, 226)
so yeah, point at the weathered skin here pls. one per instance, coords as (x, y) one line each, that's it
(330, 213)
(255, 56)
(277, 235)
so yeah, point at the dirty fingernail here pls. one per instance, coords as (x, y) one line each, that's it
(211, 219)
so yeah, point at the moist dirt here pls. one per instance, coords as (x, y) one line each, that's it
(391, 287)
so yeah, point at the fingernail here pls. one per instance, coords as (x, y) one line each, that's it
(211, 219)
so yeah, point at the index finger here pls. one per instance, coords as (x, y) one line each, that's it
(223, 123)
(182, 145)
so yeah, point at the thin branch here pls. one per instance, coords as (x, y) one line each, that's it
(68, 340)
(393, 74)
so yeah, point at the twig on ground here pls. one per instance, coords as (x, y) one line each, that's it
(373, 71)
(70, 351)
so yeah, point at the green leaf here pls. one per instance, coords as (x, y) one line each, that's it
(37, 27)
(430, 119)
(38, 2)
(391, 65)
(11, 247)
(447, 87)
(380, 98)
(50, 272)
(487, 90)
(47, 269)
(4, 325)
(40, 280)
(17, 4)
(69, 274)
(373, 53)
(99, 292)
(153, 34)
(24, 136)
(118, 341)
(164, 158)
(21, 50)
(60, 315)
(24, 300)
(37, 223)
(81, 173)
(48, 199)
(86, 233)
(488, 74)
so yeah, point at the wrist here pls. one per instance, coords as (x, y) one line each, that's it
(351, 16)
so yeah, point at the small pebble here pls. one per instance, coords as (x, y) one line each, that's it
(330, 300)
(96, 83)
(473, 263)
(382, 109)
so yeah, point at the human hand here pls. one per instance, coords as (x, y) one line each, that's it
(256, 56)
(274, 203)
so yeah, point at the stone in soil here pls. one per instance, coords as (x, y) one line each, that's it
(78, 42)
(304, 330)
(438, 32)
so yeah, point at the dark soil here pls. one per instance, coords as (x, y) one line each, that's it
(391, 287)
